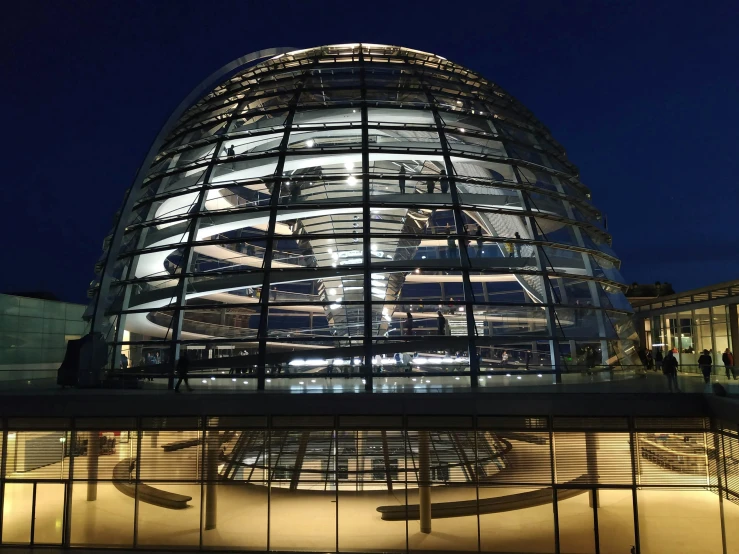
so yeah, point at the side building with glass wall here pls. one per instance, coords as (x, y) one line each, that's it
(690, 322)
(34, 333)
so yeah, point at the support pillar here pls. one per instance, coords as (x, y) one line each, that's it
(93, 459)
(424, 482)
(211, 474)
(591, 453)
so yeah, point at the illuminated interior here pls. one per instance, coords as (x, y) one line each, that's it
(361, 210)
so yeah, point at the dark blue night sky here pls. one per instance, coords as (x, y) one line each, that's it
(643, 95)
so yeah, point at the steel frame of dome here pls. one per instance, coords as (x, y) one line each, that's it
(286, 177)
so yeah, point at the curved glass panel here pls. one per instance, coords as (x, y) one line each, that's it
(362, 210)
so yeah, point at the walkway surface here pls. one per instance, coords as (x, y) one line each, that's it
(210, 383)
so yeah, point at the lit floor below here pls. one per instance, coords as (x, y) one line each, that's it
(670, 520)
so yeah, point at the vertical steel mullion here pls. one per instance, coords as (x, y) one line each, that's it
(137, 479)
(635, 479)
(469, 299)
(69, 488)
(274, 203)
(718, 456)
(406, 445)
(336, 476)
(555, 496)
(476, 474)
(268, 466)
(33, 513)
(366, 238)
(3, 469)
(596, 532)
(204, 438)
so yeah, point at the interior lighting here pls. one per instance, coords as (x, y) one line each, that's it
(332, 292)
(413, 379)
(204, 381)
(457, 378)
(539, 375)
(310, 143)
(418, 271)
(461, 130)
(352, 180)
(62, 439)
(312, 380)
(268, 380)
(423, 257)
(428, 381)
(212, 378)
(246, 382)
(234, 380)
(518, 377)
(300, 382)
(507, 374)
(489, 376)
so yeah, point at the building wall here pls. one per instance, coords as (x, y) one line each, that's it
(316, 483)
(34, 335)
(690, 322)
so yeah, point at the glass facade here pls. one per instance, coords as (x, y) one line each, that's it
(693, 321)
(365, 210)
(343, 484)
(34, 334)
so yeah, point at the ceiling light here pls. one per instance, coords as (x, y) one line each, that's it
(310, 143)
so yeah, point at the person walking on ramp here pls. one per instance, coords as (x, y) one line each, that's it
(183, 364)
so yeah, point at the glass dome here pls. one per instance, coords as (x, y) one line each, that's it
(365, 211)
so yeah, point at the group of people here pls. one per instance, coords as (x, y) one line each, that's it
(442, 325)
(669, 365)
(430, 183)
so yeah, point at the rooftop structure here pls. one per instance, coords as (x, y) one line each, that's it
(362, 209)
